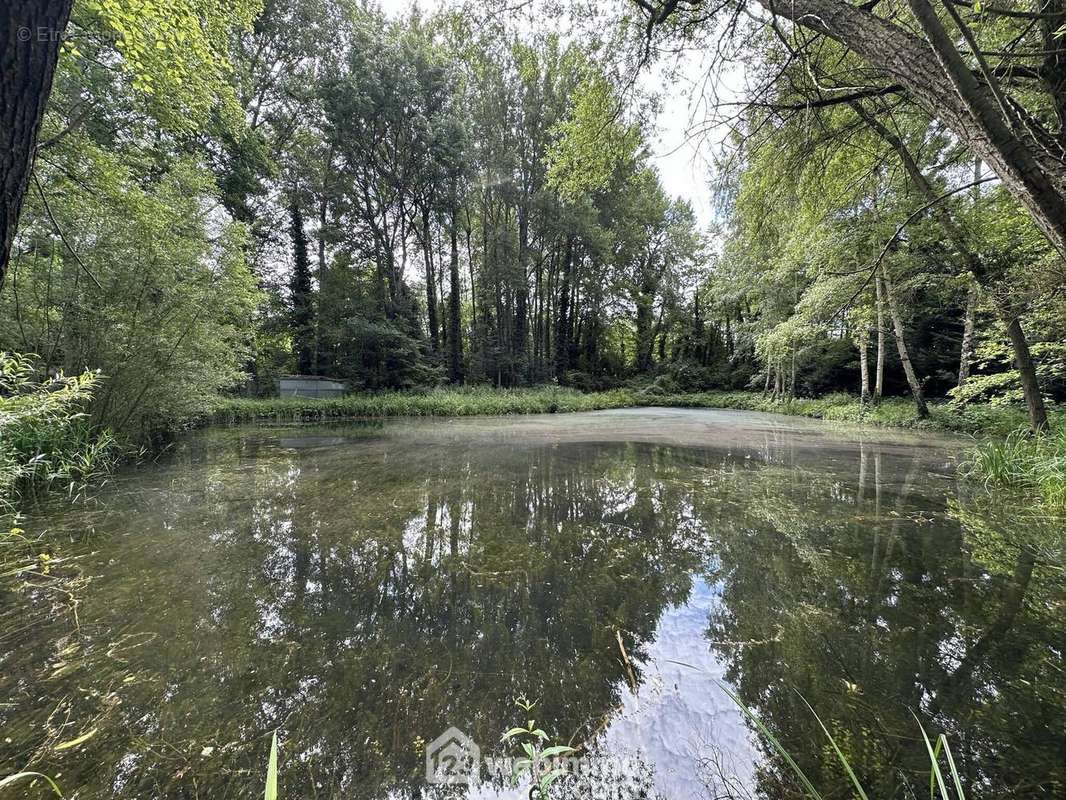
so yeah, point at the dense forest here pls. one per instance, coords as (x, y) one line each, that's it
(409, 199)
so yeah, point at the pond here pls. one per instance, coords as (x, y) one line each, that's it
(362, 588)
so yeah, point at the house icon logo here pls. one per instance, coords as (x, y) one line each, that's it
(452, 759)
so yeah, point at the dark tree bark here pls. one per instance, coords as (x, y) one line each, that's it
(31, 32)
(879, 372)
(431, 283)
(1023, 360)
(521, 321)
(563, 323)
(455, 338)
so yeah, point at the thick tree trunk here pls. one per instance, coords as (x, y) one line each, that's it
(645, 330)
(1023, 360)
(937, 77)
(455, 337)
(562, 335)
(901, 345)
(303, 321)
(31, 32)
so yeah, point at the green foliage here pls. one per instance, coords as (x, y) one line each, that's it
(176, 52)
(165, 317)
(591, 143)
(537, 761)
(45, 435)
(1031, 463)
(472, 401)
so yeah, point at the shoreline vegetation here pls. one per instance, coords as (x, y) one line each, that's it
(979, 420)
(1006, 457)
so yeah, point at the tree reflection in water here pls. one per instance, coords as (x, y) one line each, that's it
(363, 589)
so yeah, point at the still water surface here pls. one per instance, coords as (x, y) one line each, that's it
(362, 587)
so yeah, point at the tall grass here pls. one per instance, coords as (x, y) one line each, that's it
(45, 436)
(1032, 464)
(461, 402)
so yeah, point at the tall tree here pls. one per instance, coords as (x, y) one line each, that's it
(31, 33)
(301, 290)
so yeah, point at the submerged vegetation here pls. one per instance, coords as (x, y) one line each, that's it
(468, 211)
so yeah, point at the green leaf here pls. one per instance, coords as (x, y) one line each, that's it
(556, 750)
(837, 750)
(18, 776)
(271, 792)
(933, 760)
(75, 742)
(951, 765)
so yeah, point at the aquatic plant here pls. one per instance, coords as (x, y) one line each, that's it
(897, 412)
(18, 777)
(45, 435)
(936, 771)
(1034, 464)
(271, 790)
(531, 738)
(457, 402)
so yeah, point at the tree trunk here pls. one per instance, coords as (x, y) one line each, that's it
(1023, 361)
(879, 375)
(521, 314)
(303, 321)
(966, 355)
(901, 344)
(937, 77)
(562, 335)
(455, 337)
(864, 366)
(966, 351)
(31, 32)
(431, 284)
(973, 263)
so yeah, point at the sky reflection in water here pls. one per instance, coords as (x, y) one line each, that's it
(363, 587)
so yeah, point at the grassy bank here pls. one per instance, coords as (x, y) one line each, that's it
(469, 402)
(1008, 459)
(1035, 465)
(981, 420)
(896, 412)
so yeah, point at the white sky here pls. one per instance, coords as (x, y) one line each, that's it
(682, 157)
